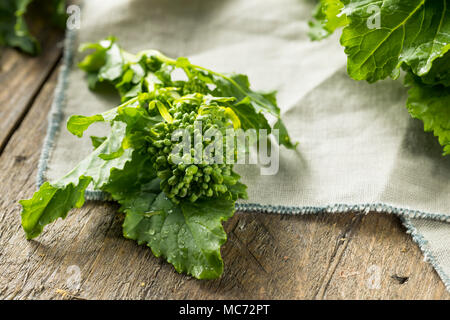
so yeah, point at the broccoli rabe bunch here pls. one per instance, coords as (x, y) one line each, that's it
(198, 167)
(167, 159)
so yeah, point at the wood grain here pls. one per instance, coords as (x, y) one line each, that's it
(342, 256)
(22, 77)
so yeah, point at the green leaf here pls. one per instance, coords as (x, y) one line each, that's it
(283, 135)
(189, 236)
(317, 30)
(56, 9)
(114, 64)
(55, 199)
(423, 45)
(327, 18)
(97, 168)
(238, 86)
(14, 31)
(439, 73)
(97, 141)
(13, 28)
(106, 61)
(415, 32)
(93, 62)
(138, 72)
(78, 124)
(431, 104)
(51, 203)
(413, 35)
(248, 117)
(138, 175)
(238, 191)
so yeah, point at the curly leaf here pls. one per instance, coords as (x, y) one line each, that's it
(431, 104)
(189, 236)
(415, 32)
(439, 73)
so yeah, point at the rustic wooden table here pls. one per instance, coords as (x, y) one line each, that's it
(342, 256)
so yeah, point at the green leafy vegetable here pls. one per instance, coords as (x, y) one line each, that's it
(431, 104)
(383, 37)
(440, 72)
(414, 34)
(327, 18)
(189, 236)
(149, 70)
(174, 197)
(54, 200)
(14, 31)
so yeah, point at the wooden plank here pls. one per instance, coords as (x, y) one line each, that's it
(381, 261)
(266, 256)
(22, 77)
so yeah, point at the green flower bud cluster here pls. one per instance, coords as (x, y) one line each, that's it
(195, 85)
(194, 174)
